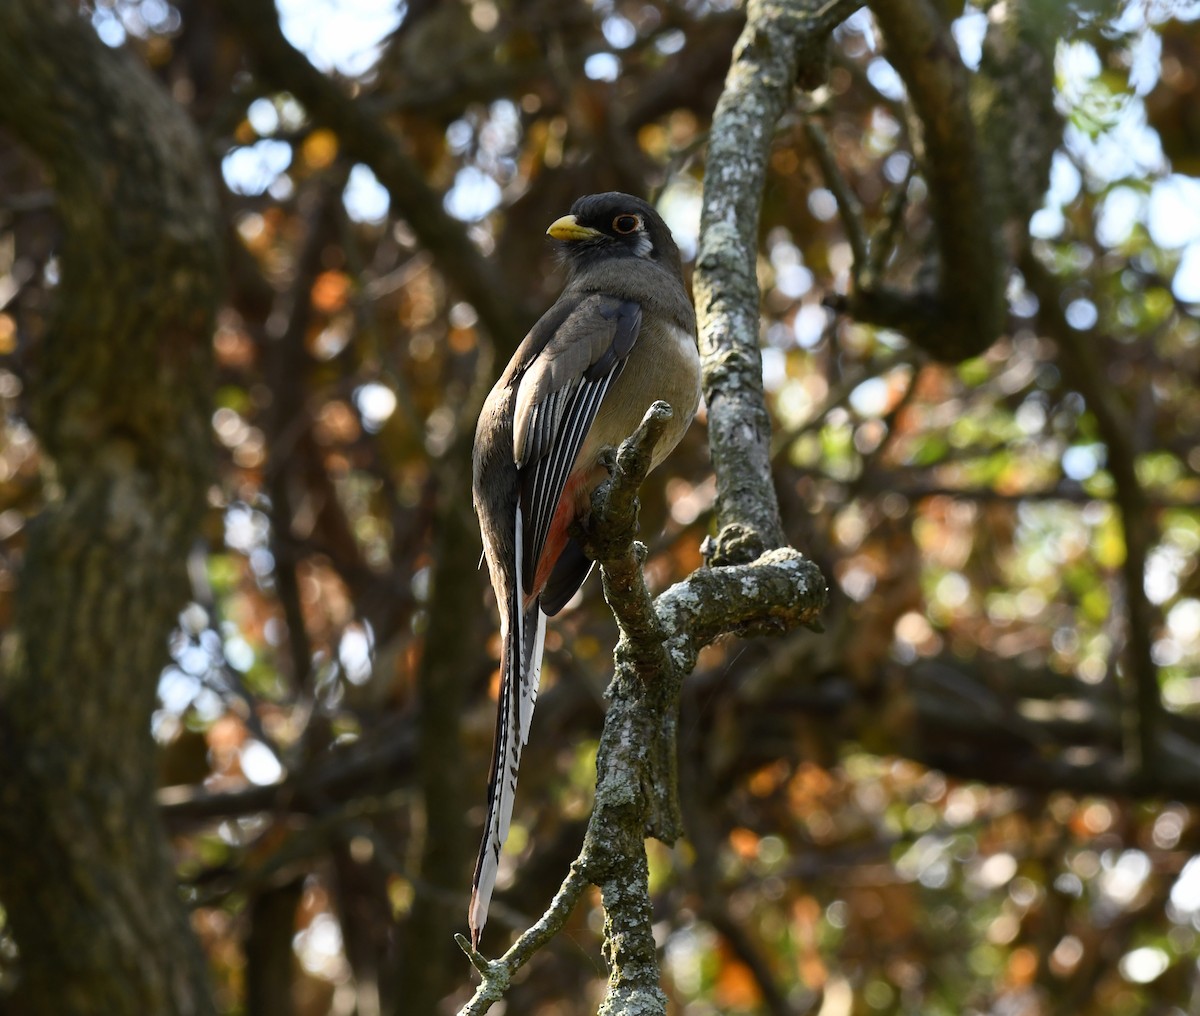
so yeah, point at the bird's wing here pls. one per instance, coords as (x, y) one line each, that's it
(557, 400)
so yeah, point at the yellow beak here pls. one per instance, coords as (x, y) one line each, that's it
(568, 228)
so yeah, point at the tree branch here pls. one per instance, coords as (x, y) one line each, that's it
(354, 769)
(497, 974)
(758, 89)
(365, 139)
(1013, 94)
(757, 592)
(286, 363)
(965, 314)
(1144, 708)
(613, 524)
(849, 207)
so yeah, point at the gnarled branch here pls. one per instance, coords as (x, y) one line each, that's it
(759, 588)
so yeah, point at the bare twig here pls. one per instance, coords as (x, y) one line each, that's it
(365, 139)
(497, 974)
(1080, 366)
(847, 202)
(882, 243)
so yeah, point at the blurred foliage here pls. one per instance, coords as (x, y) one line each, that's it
(886, 818)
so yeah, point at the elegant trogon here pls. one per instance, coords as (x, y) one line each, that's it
(621, 336)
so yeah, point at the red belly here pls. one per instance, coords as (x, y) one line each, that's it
(574, 503)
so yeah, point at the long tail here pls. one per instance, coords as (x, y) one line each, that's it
(524, 633)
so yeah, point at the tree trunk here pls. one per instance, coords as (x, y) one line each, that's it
(119, 400)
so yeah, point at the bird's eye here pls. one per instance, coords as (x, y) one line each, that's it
(627, 223)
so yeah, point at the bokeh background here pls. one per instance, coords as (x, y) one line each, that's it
(927, 808)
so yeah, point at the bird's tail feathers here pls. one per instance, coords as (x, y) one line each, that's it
(524, 633)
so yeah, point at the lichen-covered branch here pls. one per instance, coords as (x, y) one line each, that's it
(636, 780)
(614, 853)
(642, 646)
(759, 585)
(611, 542)
(758, 89)
(497, 974)
(779, 591)
(636, 765)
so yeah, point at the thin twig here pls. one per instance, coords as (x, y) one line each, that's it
(847, 202)
(365, 138)
(1079, 365)
(497, 974)
(839, 394)
(883, 242)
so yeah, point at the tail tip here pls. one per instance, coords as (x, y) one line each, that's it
(476, 917)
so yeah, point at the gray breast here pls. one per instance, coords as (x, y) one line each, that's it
(664, 364)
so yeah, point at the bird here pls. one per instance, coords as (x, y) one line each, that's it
(621, 336)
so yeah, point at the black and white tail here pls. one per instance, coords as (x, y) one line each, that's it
(524, 635)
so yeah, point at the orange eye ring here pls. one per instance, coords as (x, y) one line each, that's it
(627, 223)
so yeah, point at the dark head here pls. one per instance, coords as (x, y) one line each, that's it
(614, 225)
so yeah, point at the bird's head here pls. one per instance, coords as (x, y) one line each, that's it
(602, 227)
